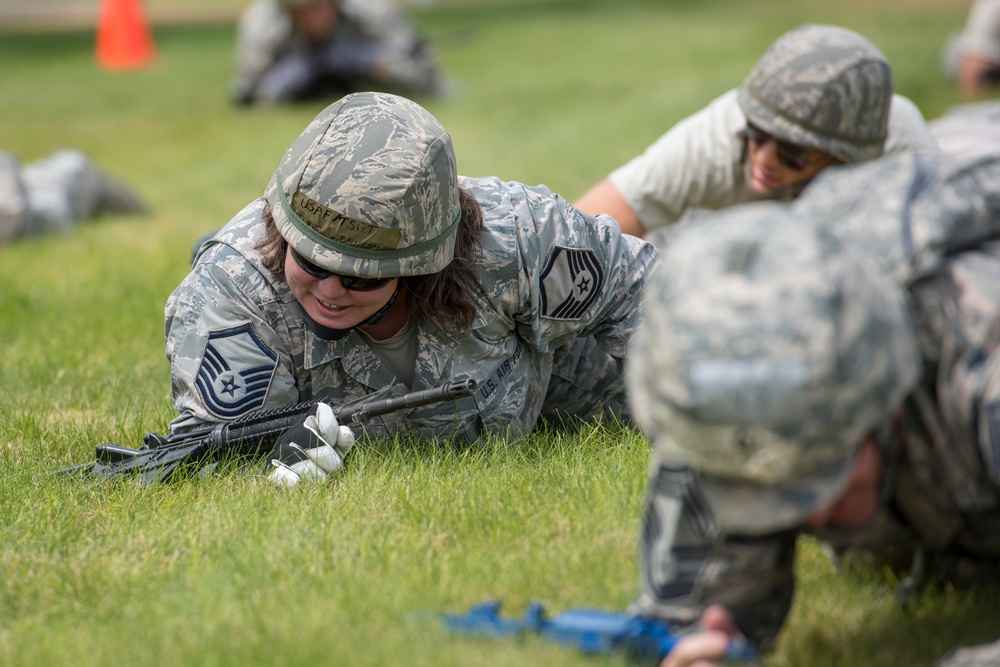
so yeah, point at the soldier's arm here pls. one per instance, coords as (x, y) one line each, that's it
(225, 358)
(695, 164)
(688, 566)
(605, 197)
(960, 309)
(261, 31)
(582, 276)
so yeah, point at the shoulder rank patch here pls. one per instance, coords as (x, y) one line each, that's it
(571, 282)
(236, 371)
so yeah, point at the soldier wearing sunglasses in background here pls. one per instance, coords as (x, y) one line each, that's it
(369, 265)
(820, 96)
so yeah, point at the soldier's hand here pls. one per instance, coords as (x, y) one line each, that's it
(711, 645)
(312, 449)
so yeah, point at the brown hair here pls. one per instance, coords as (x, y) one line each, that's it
(445, 298)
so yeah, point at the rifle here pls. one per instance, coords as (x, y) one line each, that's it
(590, 630)
(249, 436)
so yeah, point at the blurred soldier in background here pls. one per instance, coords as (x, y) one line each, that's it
(819, 96)
(55, 194)
(973, 57)
(370, 265)
(288, 50)
(830, 366)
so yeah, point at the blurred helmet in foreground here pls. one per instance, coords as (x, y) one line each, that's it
(768, 351)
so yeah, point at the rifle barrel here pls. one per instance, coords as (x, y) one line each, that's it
(354, 413)
(247, 436)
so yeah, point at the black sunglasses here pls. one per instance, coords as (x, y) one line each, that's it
(794, 157)
(353, 283)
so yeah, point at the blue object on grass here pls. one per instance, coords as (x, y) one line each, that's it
(590, 630)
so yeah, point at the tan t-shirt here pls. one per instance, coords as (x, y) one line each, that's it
(398, 353)
(696, 164)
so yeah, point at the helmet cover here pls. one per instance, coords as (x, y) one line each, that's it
(370, 189)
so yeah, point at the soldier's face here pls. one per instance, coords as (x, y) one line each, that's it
(327, 300)
(776, 165)
(860, 501)
(316, 20)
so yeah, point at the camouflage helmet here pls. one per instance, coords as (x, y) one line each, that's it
(370, 189)
(822, 87)
(767, 352)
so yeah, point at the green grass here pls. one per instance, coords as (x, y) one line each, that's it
(229, 571)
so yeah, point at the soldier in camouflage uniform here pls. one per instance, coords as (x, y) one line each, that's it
(973, 57)
(53, 195)
(830, 366)
(819, 96)
(369, 265)
(288, 50)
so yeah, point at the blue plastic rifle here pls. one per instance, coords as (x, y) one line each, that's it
(252, 435)
(590, 630)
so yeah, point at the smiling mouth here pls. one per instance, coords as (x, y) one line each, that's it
(330, 306)
(767, 179)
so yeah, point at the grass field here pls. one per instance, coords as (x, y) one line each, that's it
(228, 571)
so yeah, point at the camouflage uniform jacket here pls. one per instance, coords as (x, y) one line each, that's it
(929, 222)
(969, 129)
(406, 62)
(550, 276)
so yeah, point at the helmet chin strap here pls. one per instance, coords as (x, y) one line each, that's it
(329, 333)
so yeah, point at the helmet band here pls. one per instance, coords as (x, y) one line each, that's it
(353, 251)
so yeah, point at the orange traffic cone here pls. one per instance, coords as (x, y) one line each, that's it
(123, 37)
